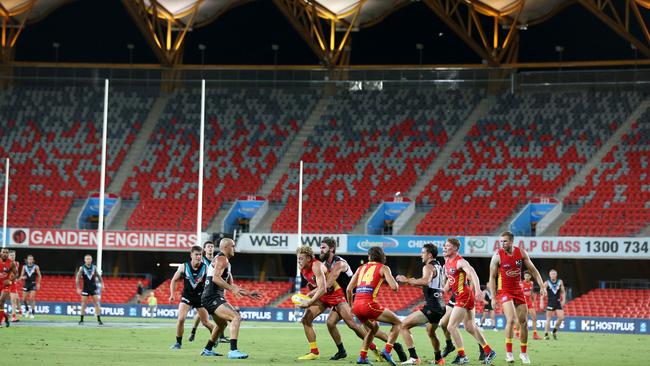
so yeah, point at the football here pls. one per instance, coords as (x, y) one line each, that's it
(298, 299)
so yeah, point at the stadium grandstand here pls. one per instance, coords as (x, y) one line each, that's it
(475, 135)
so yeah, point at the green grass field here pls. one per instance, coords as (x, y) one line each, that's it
(62, 342)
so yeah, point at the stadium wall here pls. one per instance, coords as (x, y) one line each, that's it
(571, 324)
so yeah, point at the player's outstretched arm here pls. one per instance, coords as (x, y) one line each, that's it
(428, 272)
(533, 271)
(76, 280)
(494, 269)
(334, 273)
(172, 284)
(390, 280)
(353, 283)
(220, 265)
(465, 266)
(542, 294)
(100, 279)
(318, 269)
(13, 272)
(38, 277)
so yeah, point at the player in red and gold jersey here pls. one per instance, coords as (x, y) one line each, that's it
(458, 271)
(367, 281)
(323, 297)
(505, 271)
(7, 274)
(13, 289)
(527, 286)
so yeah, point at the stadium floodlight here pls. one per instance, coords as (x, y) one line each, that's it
(355, 86)
(275, 47)
(202, 49)
(559, 49)
(130, 47)
(56, 46)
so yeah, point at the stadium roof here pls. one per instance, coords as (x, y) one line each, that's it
(371, 11)
(328, 33)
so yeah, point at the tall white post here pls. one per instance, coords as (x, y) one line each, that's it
(199, 210)
(298, 279)
(5, 234)
(102, 185)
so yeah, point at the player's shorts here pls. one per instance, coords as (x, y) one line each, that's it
(488, 306)
(529, 303)
(193, 301)
(13, 288)
(29, 286)
(433, 313)
(554, 306)
(5, 288)
(517, 297)
(89, 291)
(465, 301)
(367, 310)
(332, 299)
(452, 301)
(212, 303)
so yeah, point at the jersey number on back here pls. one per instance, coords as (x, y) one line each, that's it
(367, 275)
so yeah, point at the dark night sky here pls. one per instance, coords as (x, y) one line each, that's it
(98, 31)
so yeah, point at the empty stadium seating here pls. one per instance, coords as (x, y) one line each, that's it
(247, 131)
(615, 199)
(367, 146)
(528, 145)
(62, 288)
(623, 303)
(53, 138)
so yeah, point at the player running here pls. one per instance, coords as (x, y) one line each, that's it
(13, 289)
(556, 300)
(7, 275)
(505, 271)
(194, 275)
(208, 256)
(434, 309)
(31, 275)
(457, 270)
(88, 272)
(527, 286)
(367, 281)
(214, 300)
(339, 272)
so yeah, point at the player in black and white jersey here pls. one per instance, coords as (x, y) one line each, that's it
(91, 277)
(208, 256)
(339, 271)
(556, 296)
(432, 283)
(214, 299)
(194, 275)
(31, 276)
